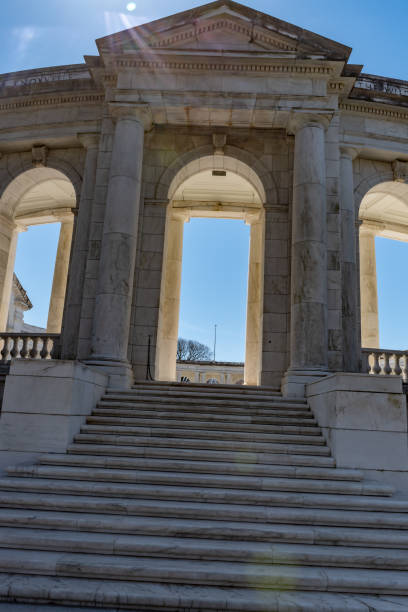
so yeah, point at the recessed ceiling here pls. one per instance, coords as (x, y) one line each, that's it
(204, 186)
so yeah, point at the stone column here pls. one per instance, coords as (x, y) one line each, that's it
(349, 284)
(308, 332)
(111, 324)
(368, 286)
(72, 317)
(254, 324)
(59, 282)
(167, 332)
(8, 245)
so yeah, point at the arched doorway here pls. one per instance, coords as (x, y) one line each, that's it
(214, 186)
(383, 213)
(37, 196)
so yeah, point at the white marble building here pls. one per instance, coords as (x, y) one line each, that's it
(220, 111)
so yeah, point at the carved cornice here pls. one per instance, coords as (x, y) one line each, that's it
(370, 108)
(220, 66)
(30, 101)
(255, 34)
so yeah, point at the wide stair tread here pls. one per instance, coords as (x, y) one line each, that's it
(200, 481)
(202, 549)
(170, 464)
(176, 597)
(204, 443)
(188, 571)
(220, 454)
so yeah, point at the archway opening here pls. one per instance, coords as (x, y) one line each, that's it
(215, 189)
(37, 213)
(383, 251)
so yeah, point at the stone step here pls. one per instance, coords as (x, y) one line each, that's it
(200, 401)
(193, 433)
(210, 467)
(182, 422)
(134, 413)
(207, 529)
(243, 458)
(175, 597)
(185, 480)
(201, 549)
(205, 393)
(204, 510)
(238, 445)
(240, 390)
(197, 572)
(213, 495)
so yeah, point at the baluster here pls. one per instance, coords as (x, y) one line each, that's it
(404, 373)
(376, 365)
(387, 368)
(35, 351)
(5, 353)
(55, 352)
(397, 365)
(365, 362)
(24, 353)
(44, 349)
(15, 351)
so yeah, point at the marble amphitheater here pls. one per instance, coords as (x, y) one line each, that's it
(123, 489)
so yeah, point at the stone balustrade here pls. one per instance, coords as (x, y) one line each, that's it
(29, 346)
(384, 361)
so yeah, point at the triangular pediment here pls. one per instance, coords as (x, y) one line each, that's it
(223, 26)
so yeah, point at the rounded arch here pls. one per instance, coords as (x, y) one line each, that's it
(239, 161)
(26, 177)
(368, 183)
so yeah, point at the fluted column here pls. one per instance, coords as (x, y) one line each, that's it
(118, 250)
(59, 282)
(72, 316)
(308, 333)
(167, 332)
(370, 337)
(351, 343)
(254, 325)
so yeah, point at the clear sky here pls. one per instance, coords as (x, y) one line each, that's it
(37, 33)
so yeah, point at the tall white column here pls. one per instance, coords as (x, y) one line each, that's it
(254, 324)
(351, 341)
(308, 333)
(167, 332)
(370, 336)
(59, 283)
(72, 316)
(8, 245)
(118, 250)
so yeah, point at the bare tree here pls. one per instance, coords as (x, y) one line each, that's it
(182, 349)
(191, 350)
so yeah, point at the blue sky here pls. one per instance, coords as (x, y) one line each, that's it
(37, 33)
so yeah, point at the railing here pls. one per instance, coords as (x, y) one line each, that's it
(385, 362)
(29, 346)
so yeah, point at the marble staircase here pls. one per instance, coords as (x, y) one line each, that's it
(191, 497)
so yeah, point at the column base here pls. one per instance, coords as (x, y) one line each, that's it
(294, 381)
(120, 372)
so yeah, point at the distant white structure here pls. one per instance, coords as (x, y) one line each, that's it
(211, 372)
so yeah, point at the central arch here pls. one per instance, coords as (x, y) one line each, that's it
(213, 186)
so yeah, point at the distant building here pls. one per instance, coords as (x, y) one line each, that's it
(211, 372)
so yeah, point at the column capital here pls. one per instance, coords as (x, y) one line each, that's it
(348, 152)
(300, 120)
(133, 111)
(89, 140)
